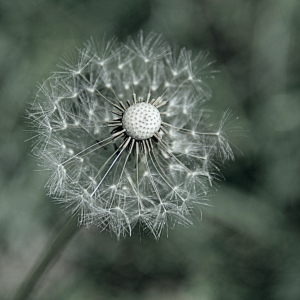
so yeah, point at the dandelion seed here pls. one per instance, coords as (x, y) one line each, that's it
(124, 134)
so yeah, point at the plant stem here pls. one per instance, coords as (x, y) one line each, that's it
(46, 258)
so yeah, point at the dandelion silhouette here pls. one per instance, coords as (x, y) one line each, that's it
(123, 131)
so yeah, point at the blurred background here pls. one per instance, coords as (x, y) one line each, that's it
(247, 245)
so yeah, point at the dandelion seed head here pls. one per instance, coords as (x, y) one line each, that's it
(123, 132)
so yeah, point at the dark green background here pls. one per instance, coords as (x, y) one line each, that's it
(248, 244)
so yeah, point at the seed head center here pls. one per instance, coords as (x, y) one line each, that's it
(141, 121)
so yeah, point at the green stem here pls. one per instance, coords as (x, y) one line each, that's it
(46, 258)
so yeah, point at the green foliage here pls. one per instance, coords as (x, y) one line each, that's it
(247, 245)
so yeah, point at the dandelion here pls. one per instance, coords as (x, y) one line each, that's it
(123, 130)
